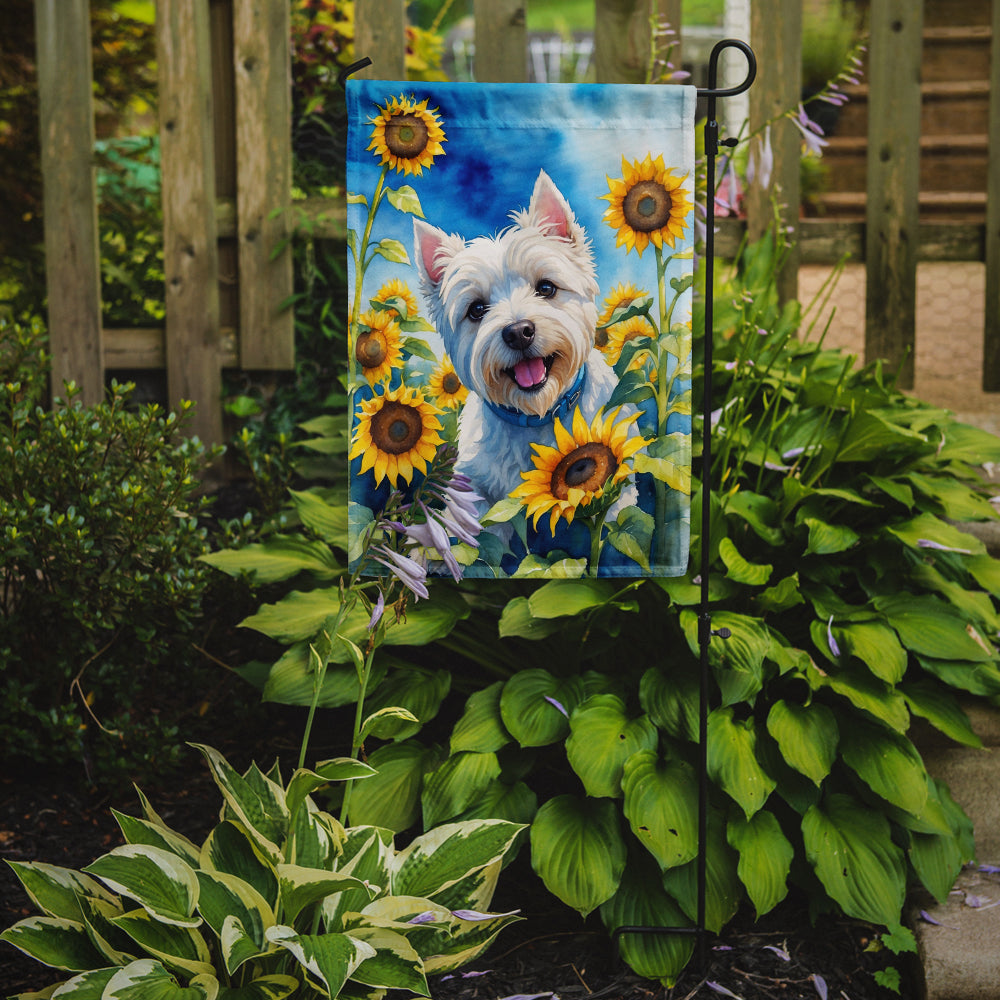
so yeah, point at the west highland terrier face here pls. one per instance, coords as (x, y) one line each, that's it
(517, 311)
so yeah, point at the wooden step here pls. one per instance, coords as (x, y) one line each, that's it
(957, 206)
(956, 53)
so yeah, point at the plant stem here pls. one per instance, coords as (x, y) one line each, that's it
(359, 716)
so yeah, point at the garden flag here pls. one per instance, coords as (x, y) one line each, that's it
(520, 263)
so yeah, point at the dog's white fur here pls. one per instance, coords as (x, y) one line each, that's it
(538, 277)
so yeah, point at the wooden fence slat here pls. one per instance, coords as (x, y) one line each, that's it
(991, 331)
(622, 39)
(261, 57)
(892, 214)
(72, 256)
(501, 41)
(776, 36)
(380, 34)
(190, 252)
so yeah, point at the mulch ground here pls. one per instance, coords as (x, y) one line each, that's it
(550, 953)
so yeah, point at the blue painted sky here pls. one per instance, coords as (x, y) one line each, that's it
(499, 136)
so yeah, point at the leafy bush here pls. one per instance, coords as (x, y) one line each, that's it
(99, 540)
(279, 899)
(854, 604)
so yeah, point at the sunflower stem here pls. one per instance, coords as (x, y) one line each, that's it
(360, 266)
(596, 530)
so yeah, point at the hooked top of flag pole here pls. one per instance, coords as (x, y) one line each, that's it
(712, 91)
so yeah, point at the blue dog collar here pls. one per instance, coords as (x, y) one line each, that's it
(561, 409)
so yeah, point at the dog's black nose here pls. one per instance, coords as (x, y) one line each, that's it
(519, 335)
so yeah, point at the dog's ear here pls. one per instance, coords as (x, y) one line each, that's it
(550, 212)
(433, 249)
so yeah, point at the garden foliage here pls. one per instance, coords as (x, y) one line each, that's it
(280, 899)
(854, 605)
(99, 546)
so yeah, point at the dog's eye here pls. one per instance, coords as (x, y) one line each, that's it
(545, 288)
(477, 310)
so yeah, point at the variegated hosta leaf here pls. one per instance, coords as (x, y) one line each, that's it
(86, 986)
(441, 857)
(850, 847)
(256, 801)
(54, 941)
(602, 738)
(661, 800)
(301, 887)
(304, 782)
(230, 849)
(274, 987)
(367, 853)
(535, 706)
(315, 838)
(149, 980)
(732, 760)
(481, 727)
(765, 858)
(395, 964)
(225, 897)
(888, 763)
(807, 736)
(456, 784)
(98, 915)
(56, 891)
(329, 959)
(578, 851)
(419, 691)
(177, 947)
(642, 902)
(158, 880)
(142, 831)
(476, 890)
(467, 940)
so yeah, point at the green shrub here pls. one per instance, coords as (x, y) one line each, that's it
(99, 546)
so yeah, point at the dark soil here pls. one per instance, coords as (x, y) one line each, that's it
(551, 952)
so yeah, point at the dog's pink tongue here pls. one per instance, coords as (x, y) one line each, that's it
(529, 372)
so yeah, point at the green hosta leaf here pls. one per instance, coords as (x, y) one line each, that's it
(330, 959)
(869, 436)
(142, 831)
(931, 628)
(957, 501)
(328, 520)
(56, 891)
(888, 763)
(517, 620)
(163, 884)
(671, 701)
(850, 848)
(515, 803)
(661, 798)
(641, 901)
(180, 948)
(738, 661)
(438, 859)
(230, 849)
(807, 736)
(560, 598)
(391, 798)
(937, 859)
(275, 987)
(147, 979)
(418, 690)
(578, 851)
(876, 646)
(828, 539)
(292, 679)
(941, 709)
(260, 809)
(865, 692)
(54, 941)
(976, 678)
(732, 760)
(481, 728)
(395, 964)
(760, 512)
(723, 889)
(279, 558)
(928, 528)
(751, 574)
(530, 706)
(986, 572)
(783, 595)
(301, 887)
(456, 784)
(405, 199)
(765, 858)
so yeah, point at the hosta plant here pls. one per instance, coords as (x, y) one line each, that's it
(279, 900)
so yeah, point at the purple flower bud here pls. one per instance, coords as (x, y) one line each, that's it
(377, 612)
(558, 705)
(820, 983)
(427, 917)
(834, 648)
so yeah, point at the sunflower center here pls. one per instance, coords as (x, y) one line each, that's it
(406, 136)
(585, 468)
(370, 350)
(451, 383)
(396, 428)
(647, 206)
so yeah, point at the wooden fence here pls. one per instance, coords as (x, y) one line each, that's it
(226, 162)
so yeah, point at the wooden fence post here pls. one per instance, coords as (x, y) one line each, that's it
(380, 34)
(501, 41)
(262, 61)
(622, 38)
(991, 332)
(72, 255)
(190, 251)
(893, 183)
(776, 34)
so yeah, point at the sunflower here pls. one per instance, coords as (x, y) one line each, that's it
(446, 387)
(648, 205)
(406, 136)
(621, 333)
(396, 432)
(395, 297)
(378, 345)
(576, 472)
